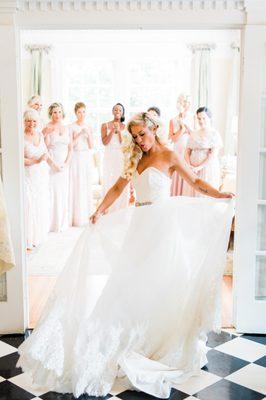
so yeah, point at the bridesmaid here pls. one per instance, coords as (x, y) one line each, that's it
(81, 169)
(202, 152)
(59, 144)
(36, 181)
(179, 129)
(112, 135)
(154, 111)
(35, 102)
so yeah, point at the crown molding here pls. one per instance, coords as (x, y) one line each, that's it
(9, 7)
(114, 5)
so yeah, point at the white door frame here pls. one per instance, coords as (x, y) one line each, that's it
(250, 310)
(16, 15)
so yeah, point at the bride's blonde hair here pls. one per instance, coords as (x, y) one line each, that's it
(132, 152)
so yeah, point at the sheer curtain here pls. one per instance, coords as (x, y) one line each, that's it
(201, 74)
(36, 71)
(40, 72)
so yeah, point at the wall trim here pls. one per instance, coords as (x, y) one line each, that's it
(123, 5)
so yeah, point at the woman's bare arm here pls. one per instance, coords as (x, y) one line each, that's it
(90, 138)
(105, 137)
(110, 198)
(187, 128)
(50, 160)
(171, 130)
(31, 161)
(69, 153)
(192, 179)
(75, 137)
(47, 140)
(173, 136)
(54, 165)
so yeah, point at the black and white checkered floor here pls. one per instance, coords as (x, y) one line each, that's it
(235, 371)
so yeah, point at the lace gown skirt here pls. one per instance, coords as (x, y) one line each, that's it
(135, 301)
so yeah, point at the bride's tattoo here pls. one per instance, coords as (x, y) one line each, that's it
(203, 190)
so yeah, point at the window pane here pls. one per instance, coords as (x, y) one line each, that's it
(263, 121)
(261, 244)
(260, 278)
(3, 289)
(262, 177)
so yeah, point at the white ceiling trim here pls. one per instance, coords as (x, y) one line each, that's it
(127, 5)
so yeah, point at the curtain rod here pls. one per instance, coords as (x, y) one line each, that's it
(37, 47)
(201, 46)
(235, 46)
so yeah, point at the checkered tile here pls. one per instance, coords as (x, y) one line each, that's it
(235, 371)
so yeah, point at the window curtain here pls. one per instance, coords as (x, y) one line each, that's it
(40, 71)
(201, 74)
(36, 71)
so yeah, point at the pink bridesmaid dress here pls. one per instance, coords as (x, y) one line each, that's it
(112, 170)
(180, 147)
(200, 149)
(37, 211)
(80, 180)
(59, 181)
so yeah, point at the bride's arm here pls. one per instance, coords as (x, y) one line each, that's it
(193, 180)
(110, 198)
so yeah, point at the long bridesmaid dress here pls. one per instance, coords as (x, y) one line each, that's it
(37, 204)
(112, 170)
(80, 180)
(200, 147)
(59, 181)
(180, 147)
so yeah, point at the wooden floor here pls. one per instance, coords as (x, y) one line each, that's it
(41, 286)
(39, 289)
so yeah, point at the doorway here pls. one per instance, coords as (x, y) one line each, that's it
(140, 69)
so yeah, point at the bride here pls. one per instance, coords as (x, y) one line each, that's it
(141, 288)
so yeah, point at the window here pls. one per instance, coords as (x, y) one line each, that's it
(100, 83)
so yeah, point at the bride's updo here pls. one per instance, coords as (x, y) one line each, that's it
(132, 152)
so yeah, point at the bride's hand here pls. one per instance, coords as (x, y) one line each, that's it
(226, 195)
(94, 217)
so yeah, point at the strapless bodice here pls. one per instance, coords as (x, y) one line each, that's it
(151, 185)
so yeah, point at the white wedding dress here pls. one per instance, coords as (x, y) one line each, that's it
(136, 298)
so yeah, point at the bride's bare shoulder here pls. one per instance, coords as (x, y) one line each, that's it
(169, 156)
